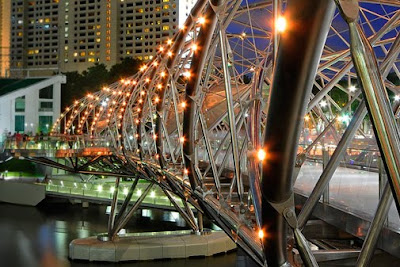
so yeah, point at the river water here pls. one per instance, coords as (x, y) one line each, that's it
(40, 236)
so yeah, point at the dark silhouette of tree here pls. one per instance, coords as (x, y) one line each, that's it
(126, 68)
(94, 78)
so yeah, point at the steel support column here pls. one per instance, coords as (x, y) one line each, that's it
(299, 51)
(375, 95)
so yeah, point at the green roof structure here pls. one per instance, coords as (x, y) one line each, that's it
(10, 85)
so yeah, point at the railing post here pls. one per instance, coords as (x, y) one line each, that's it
(325, 160)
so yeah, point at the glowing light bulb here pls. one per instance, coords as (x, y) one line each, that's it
(281, 24)
(261, 234)
(194, 47)
(183, 104)
(261, 154)
(201, 20)
(182, 139)
(352, 88)
(187, 74)
(169, 41)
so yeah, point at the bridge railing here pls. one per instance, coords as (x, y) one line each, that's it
(59, 142)
(106, 191)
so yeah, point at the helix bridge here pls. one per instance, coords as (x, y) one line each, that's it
(232, 108)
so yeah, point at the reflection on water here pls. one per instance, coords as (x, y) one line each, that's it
(40, 236)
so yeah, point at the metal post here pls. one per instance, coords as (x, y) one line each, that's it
(200, 221)
(376, 97)
(126, 201)
(132, 210)
(113, 208)
(375, 228)
(231, 115)
(192, 90)
(325, 160)
(300, 48)
(382, 176)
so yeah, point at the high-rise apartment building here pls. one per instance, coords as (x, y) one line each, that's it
(49, 36)
(4, 37)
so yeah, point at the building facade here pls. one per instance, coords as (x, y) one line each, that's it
(5, 20)
(50, 36)
(29, 105)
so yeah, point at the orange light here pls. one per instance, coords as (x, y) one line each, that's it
(201, 20)
(182, 139)
(306, 118)
(169, 53)
(194, 47)
(186, 171)
(183, 104)
(169, 41)
(161, 48)
(156, 100)
(261, 154)
(281, 24)
(162, 74)
(187, 74)
(261, 234)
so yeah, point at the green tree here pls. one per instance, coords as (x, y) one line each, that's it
(126, 68)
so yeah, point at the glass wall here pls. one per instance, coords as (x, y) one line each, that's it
(19, 123)
(45, 123)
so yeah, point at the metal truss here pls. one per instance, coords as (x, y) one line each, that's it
(217, 117)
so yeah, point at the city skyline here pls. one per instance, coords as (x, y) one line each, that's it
(50, 36)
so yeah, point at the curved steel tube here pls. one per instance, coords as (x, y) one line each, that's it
(300, 48)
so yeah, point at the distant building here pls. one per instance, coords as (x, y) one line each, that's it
(29, 105)
(4, 37)
(49, 36)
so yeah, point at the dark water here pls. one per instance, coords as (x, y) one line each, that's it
(40, 236)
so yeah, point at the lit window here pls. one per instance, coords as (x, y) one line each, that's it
(165, 28)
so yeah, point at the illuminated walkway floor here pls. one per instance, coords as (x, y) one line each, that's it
(351, 190)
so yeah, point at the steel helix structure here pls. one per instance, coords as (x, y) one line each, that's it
(218, 117)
